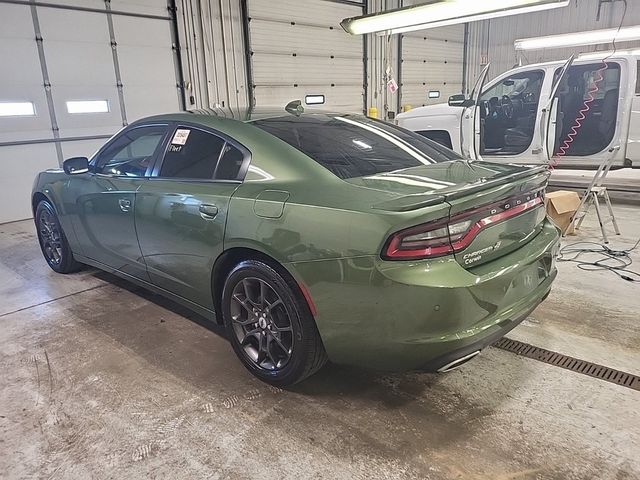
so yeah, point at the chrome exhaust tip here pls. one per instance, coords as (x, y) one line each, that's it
(457, 362)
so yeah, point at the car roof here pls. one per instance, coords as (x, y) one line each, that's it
(218, 118)
(242, 115)
(267, 149)
(583, 57)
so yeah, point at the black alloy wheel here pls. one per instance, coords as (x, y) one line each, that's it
(261, 323)
(270, 325)
(53, 241)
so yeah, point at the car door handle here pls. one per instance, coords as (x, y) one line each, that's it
(208, 211)
(125, 205)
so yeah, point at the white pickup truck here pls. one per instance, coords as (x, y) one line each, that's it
(526, 115)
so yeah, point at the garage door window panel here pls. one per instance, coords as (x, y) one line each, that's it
(132, 152)
(17, 109)
(80, 107)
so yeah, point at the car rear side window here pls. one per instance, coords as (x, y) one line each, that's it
(191, 153)
(230, 163)
(354, 146)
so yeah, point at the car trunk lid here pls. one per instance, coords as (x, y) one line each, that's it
(503, 218)
(493, 208)
(417, 187)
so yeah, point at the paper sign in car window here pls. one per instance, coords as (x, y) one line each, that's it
(180, 137)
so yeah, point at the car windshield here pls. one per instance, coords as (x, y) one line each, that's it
(352, 146)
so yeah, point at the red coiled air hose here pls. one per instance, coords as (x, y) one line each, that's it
(562, 151)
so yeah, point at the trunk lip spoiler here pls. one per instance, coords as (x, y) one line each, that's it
(421, 200)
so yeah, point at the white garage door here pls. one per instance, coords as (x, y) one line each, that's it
(298, 48)
(432, 64)
(73, 74)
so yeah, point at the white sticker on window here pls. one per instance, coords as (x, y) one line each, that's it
(180, 137)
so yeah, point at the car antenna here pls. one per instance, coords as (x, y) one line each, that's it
(295, 107)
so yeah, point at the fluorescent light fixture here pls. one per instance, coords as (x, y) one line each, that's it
(434, 93)
(88, 106)
(314, 99)
(17, 109)
(438, 13)
(578, 39)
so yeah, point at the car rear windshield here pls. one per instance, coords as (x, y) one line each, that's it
(352, 146)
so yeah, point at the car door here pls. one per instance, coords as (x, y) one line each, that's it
(512, 109)
(591, 103)
(182, 210)
(470, 125)
(549, 127)
(106, 196)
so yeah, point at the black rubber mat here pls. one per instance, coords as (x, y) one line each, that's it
(574, 364)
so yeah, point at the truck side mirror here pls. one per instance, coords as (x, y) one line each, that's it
(459, 100)
(75, 165)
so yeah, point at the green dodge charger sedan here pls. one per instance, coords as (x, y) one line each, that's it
(310, 236)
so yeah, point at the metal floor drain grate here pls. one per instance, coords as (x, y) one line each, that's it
(575, 365)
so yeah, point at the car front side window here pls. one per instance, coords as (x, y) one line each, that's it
(520, 83)
(131, 153)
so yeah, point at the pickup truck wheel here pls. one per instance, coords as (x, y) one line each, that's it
(270, 326)
(53, 241)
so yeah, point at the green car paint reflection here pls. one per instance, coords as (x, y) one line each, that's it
(327, 198)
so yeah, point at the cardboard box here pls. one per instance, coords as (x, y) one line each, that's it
(561, 206)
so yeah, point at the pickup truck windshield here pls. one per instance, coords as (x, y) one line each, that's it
(352, 146)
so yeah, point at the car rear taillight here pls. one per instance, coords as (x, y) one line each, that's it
(435, 239)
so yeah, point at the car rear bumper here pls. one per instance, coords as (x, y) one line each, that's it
(424, 315)
(457, 357)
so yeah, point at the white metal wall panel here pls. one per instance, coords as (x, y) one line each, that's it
(146, 7)
(78, 54)
(213, 55)
(81, 148)
(492, 40)
(97, 4)
(23, 84)
(298, 48)
(80, 68)
(432, 60)
(146, 66)
(20, 166)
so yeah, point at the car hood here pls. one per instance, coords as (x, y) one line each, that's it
(425, 185)
(429, 110)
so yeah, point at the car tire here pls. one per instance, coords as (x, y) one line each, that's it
(52, 240)
(270, 325)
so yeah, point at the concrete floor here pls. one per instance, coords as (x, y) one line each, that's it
(101, 379)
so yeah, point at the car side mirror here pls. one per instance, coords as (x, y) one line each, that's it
(459, 101)
(75, 165)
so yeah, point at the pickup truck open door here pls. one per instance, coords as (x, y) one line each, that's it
(470, 122)
(550, 112)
